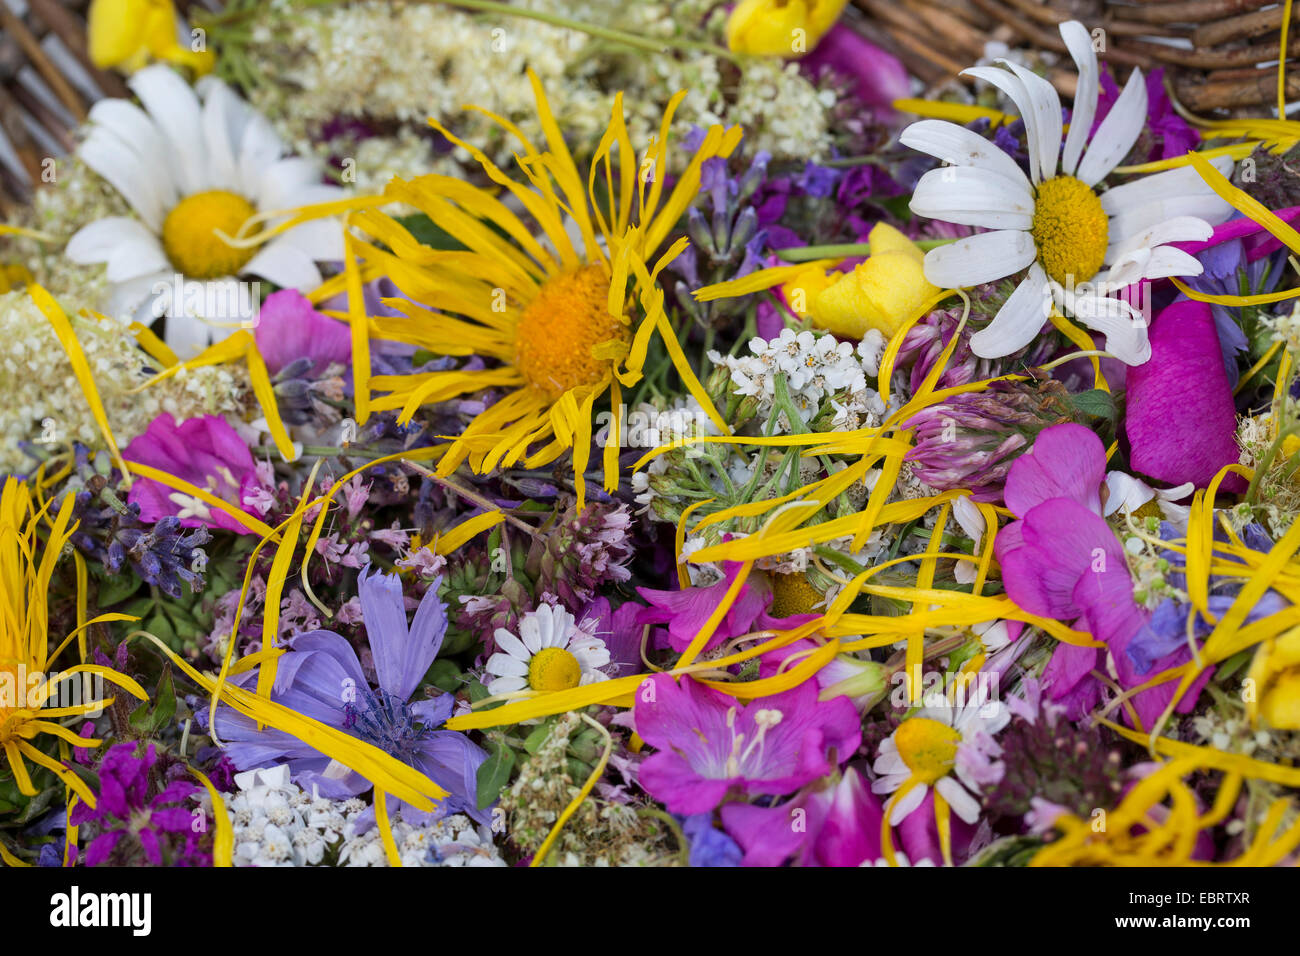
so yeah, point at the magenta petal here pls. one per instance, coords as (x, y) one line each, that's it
(879, 77)
(766, 834)
(1066, 461)
(850, 832)
(1069, 665)
(1181, 423)
(288, 328)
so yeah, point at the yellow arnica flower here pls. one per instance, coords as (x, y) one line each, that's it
(1276, 673)
(562, 319)
(881, 293)
(29, 696)
(781, 27)
(128, 34)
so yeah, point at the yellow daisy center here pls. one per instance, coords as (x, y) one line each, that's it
(928, 747)
(567, 319)
(793, 594)
(189, 234)
(554, 668)
(1070, 230)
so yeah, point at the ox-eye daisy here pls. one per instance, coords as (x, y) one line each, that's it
(190, 169)
(945, 746)
(552, 652)
(1078, 243)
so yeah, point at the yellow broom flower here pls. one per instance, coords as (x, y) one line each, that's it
(563, 319)
(128, 34)
(781, 27)
(27, 687)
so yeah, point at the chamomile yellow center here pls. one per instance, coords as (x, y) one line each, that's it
(189, 234)
(793, 594)
(1070, 230)
(554, 668)
(928, 747)
(558, 331)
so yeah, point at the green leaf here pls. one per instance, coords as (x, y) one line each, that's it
(533, 742)
(494, 774)
(425, 231)
(477, 692)
(1095, 403)
(444, 675)
(164, 700)
(116, 588)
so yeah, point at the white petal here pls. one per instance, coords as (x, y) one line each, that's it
(530, 632)
(969, 518)
(503, 665)
(1124, 327)
(890, 764)
(960, 146)
(319, 239)
(511, 644)
(981, 258)
(1043, 124)
(187, 335)
(1079, 42)
(911, 800)
(1179, 183)
(1179, 229)
(224, 119)
(1125, 491)
(973, 197)
(1019, 320)
(1117, 132)
(133, 127)
(283, 179)
(133, 258)
(963, 804)
(175, 110)
(504, 685)
(1132, 221)
(286, 265)
(140, 182)
(96, 242)
(259, 149)
(1026, 104)
(1167, 261)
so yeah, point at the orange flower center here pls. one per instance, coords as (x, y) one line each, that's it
(559, 330)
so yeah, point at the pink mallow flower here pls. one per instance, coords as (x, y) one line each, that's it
(289, 329)
(206, 452)
(685, 611)
(1062, 560)
(709, 745)
(832, 822)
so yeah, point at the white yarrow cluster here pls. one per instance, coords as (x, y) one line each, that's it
(815, 366)
(44, 403)
(276, 823)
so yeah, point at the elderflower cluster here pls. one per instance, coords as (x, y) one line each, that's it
(814, 366)
(395, 65)
(44, 404)
(276, 823)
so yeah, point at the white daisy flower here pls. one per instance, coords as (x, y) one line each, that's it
(551, 653)
(190, 168)
(950, 748)
(1080, 244)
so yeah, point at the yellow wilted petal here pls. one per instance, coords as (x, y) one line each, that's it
(265, 394)
(80, 368)
(223, 841)
(784, 28)
(457, 536)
